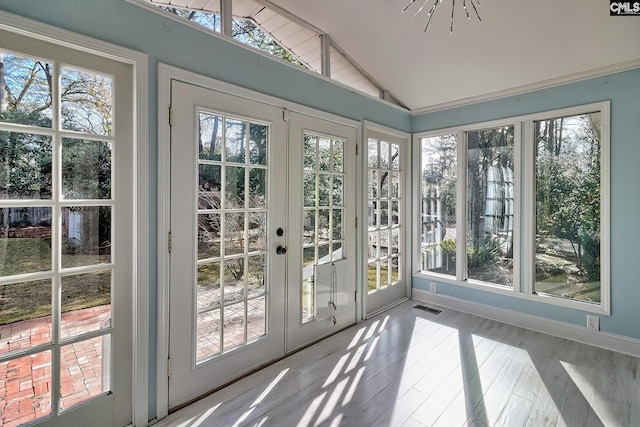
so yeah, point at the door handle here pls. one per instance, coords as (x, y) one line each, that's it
(281, 250)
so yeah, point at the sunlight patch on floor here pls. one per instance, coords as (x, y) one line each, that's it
(353, 387)
(372, 330)
(336, 370)
(356, 338)
(192, 422)
(260, 398)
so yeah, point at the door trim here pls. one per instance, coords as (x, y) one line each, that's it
(372, 129)
(139, 151)
(166, 73)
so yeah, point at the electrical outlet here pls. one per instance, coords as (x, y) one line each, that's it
(433, 287)
(593, 323)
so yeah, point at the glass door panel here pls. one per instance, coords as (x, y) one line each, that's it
(226, 279)
(58, 202)
(321, 245)
(385, 225)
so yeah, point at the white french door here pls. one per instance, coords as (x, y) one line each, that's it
(321, 270)
(260, 208)
(66, 236)
(387, 196)
(228, 216)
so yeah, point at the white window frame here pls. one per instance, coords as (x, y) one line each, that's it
(524, 196)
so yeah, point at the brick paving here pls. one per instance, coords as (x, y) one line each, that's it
(25, 383)
(208, 323)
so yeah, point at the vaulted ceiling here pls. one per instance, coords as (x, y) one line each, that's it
(518, 43)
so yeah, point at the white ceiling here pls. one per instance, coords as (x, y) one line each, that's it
(517, 43)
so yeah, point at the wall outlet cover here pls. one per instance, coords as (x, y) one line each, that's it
(593, 323)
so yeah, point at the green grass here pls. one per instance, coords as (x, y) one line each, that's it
(372, 278)
(30, 300)
(19, 256)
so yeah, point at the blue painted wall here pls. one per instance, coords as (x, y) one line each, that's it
(121, 23)
(623, 89)
(124, 24)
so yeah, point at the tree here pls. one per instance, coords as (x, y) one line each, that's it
(568, 187)
(244, 29)
(26, 158)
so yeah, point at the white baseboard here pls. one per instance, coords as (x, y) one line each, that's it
(604, 340)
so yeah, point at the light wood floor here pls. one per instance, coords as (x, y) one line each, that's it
(407, 367)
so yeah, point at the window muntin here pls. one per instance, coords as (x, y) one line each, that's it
(384, 227)
(231, 293)
(567, 207)
(438, 178)
(581, 138)
(56, 210)
(323, 211)
(490, 205)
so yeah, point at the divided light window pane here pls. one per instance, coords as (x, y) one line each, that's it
(490, 204)
(25, 94)
(568, 207)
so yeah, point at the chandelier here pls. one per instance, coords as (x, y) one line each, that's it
(434, 9)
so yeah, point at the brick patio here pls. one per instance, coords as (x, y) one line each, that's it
(25, 383)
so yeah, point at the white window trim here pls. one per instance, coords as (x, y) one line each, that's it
(524, 227)
(140, 280)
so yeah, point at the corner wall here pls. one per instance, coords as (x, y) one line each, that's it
(623, 89)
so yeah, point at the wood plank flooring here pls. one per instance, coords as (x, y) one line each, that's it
(411, 368)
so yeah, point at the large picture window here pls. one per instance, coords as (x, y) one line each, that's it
(567, 207)
(490, 203)
(471, 179)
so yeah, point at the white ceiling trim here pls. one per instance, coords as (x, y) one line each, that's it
(546, 84)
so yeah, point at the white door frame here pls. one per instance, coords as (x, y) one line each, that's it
(139, 151)
(406, 165)
(166, 73)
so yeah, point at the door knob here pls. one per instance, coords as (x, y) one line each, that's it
(281, 250)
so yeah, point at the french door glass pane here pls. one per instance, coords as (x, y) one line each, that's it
(86, 101)
(86, 169)
(231, 291)
(85, 303)
(207, 335)
(28, 94)
(490, 201)
(323, 199)
(384, 192)
(27, 391)
(85, 370)
(567, 193)
(25, 240)
(25, 166)
(210, 142)
(438, 177)
(86, 235)
(25, 315)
